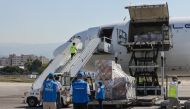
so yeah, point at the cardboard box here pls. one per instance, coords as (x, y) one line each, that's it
(114, 79)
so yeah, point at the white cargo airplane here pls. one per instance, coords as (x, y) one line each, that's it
(138, 44)
(144, 20)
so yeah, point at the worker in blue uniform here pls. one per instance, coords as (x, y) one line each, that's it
(80, 92)
(49, 92)
(100, 95)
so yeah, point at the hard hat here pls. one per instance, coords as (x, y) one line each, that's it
(51, 75)
(80, 74)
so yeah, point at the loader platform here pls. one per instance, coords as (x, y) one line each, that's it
(149, 34)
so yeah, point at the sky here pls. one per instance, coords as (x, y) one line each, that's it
(55, 21)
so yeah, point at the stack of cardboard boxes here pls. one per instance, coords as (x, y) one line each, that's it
(104, 69)
(115, 80)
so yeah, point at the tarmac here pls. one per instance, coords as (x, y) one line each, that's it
(11, 95)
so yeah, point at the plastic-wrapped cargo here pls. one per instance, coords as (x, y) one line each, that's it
(118, 85)
(151, 36)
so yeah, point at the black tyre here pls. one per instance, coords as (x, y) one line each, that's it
(32, 102)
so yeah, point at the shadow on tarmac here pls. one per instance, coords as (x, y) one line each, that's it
(26, 107)
(39, 107)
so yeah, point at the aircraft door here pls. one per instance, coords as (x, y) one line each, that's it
(106, 39)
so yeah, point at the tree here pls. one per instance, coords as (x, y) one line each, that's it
(36, 65)
(12, 70)
(44, 66)
(28, 66)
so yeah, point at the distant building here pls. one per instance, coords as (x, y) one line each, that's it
(5, 61)
(14, 60)
(28, 58)
(44, 60)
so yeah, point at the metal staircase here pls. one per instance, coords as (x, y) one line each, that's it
(61, 59)
(63, 64)
(80, 59)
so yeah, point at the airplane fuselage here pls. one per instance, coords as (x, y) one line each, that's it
(177, 57)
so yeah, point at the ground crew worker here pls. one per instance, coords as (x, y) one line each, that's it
(100, 95)
(80, 91)
(173, 94)
(73, 50)
(49, 92)
(58, 93)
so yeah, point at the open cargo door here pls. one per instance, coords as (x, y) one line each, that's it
(149, 13)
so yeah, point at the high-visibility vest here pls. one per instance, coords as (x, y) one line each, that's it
(73, 49)
(141, 80)
(172, 92)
